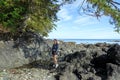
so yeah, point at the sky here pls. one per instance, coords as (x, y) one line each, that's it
(73, 25)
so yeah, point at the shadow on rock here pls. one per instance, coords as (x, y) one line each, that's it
(40, 64)
(114, 54)
(31, 46)
(76, 56)
(107, 65)
(100, 62)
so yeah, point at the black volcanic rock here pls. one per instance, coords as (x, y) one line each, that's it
(100, 61)
(114, 54)
(76, 61)
(90, 78)
(76, 56)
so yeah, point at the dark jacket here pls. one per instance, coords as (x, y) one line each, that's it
(55, 47)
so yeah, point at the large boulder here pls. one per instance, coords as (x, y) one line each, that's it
(114, 54)
(14, 55)
(100, 62)
(75, 56)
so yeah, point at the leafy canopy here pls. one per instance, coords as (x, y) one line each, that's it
(35, 15)
(40, 15)
(99, 8)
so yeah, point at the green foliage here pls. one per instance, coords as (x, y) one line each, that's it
(11, 14)
(42, 16)
(99, 8)
(109, 8)
(36, 15)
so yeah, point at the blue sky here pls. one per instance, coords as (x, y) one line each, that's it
(72, 25)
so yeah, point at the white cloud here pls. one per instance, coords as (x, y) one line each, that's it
(72, 25)
(64, 15)
(81, 19)
(85, 20)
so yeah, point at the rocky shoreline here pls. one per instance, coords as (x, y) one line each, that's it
(76, 62)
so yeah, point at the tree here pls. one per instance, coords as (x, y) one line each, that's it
(22, 15)
(40, 15)
(99, 8)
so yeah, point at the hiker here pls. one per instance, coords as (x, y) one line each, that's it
(55, 52)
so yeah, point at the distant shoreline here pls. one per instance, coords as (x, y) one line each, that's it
(92, 41)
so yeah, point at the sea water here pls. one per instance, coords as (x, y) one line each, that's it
(92, 41)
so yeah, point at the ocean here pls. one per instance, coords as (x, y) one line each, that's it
(92, 41)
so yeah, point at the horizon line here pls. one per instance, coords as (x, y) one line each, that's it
(80, 38)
